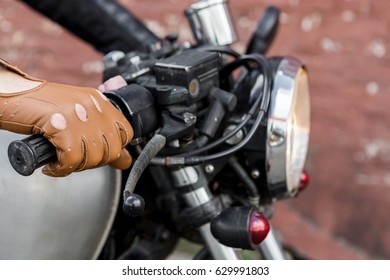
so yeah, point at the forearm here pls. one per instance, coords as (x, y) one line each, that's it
(103, 23)
(11, 82)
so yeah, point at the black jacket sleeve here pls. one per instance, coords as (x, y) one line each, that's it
(105, 24)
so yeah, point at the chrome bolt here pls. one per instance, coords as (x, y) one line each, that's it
(209, 168)
(236, 138)
(276, 138)
(189, 118)
(255, 173)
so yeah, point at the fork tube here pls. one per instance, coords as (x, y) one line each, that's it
(270, 248)
(217, 250)
(193, 186)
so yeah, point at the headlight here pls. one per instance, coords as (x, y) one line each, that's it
(288, 128)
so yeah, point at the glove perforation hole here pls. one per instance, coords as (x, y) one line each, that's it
(81, 112)
(58, 121)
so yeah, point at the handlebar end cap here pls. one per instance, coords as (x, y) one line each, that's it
(133, 205)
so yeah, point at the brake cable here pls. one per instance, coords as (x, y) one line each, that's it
(262, 101)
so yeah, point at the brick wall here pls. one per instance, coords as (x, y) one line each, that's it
(345, 44)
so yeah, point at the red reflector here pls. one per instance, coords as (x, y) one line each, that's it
(304, 181)
(258, 228)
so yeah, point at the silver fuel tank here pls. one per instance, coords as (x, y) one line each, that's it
(55, 218)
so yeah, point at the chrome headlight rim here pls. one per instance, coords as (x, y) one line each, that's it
(282, 173)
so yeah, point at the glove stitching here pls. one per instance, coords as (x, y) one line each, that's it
(119, 126)
(10, 95)
(106, 148)
(84, 147)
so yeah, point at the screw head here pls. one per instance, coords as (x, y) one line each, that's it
(255, 173)
(277, 137)
(209, 168)
(235, 139)
(189, 118)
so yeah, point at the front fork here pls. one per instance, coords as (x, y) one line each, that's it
(193, 186)
(270, 248)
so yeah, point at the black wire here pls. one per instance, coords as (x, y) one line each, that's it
(250, 186)
(220, 140)
(246, 118)
(200, 159)
(221, 49)
(261, 102)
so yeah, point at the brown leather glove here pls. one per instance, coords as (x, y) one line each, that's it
(86, 129)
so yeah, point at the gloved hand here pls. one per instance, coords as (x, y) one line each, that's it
(86, 129)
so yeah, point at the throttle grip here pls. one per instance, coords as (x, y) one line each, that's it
(134, 101)
(30, 153)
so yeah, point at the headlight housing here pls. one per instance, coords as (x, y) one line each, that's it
(288, 128)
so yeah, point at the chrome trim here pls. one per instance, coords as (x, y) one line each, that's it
(197, 197)
(211, 22)
(188, 176)
(280, 128)
(217, 250)
(185, 176)
(270, 248)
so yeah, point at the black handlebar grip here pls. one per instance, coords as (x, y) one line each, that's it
(30, 153)
(134, 101)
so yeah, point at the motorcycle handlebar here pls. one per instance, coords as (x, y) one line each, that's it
(30, 153)
(105, 24)
(135, 102)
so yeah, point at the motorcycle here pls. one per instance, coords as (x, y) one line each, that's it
(218, 138)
